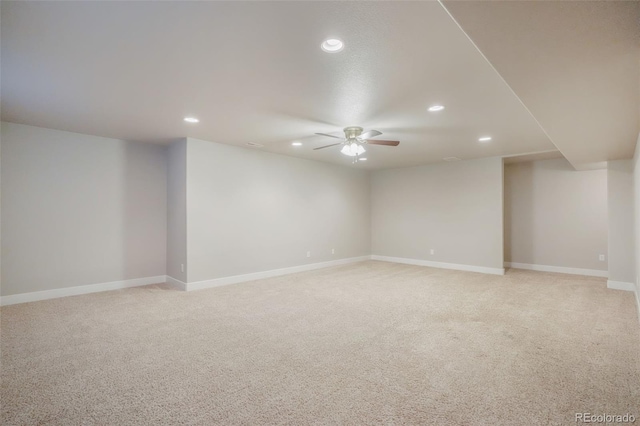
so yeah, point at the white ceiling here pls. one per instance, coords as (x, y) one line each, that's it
(254, 72)
(574, 64)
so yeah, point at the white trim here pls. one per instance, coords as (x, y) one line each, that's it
(180, 285)
(620, 285)
(558, 269)
(82, 289)
(442, 265)
(236, 279)
(638, 302)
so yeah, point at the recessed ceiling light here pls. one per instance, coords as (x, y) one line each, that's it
(296, 143)
(191, 120)
(484, 139)
(436, 108)
(362, 159)
(332, 45)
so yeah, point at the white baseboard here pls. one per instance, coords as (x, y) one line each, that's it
(82, 289)
(236, 279)
(176, 283)
(442, 265)
(638, 302)
(621, 285)
(558, 269)
(117, 285)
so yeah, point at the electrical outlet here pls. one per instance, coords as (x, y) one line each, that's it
(182, 267)
(602, 257)
(308, 254)
(333, 251)
(433, 251)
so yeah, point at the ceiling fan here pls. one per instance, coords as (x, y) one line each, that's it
(354, 141)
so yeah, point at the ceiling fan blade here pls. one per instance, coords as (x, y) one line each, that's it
(370, 134)
(331, 136)
(327, 146)
(380, 142)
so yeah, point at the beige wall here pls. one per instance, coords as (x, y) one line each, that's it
(177, 210)
(453, 208)
(554, 215)
(250, 211)
(620, 216)
(79, 209)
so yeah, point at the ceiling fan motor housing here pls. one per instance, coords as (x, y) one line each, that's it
(352, 132)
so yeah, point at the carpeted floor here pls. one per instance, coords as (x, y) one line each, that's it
(367, 343)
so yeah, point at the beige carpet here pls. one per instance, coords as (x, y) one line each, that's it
(367, 343)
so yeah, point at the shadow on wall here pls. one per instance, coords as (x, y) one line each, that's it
(518, 207)
(118, 190)
(555, 215)
(144, 215)
(79, 210)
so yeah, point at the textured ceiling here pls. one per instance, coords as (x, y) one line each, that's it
(254, 72)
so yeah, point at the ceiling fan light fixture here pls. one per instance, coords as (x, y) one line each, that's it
(353, 149)
(296, 143)
(332, 45)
